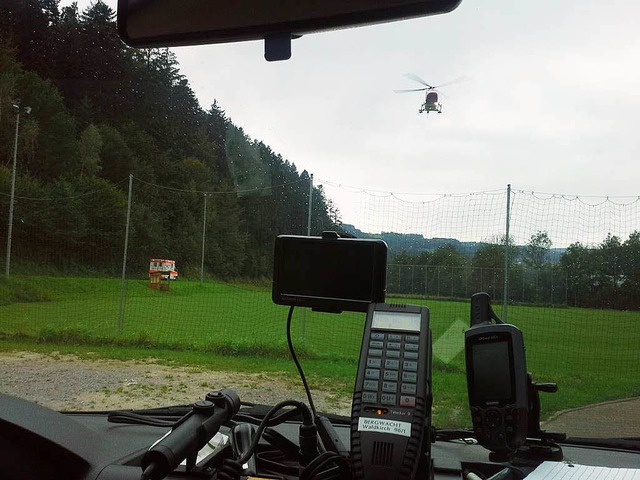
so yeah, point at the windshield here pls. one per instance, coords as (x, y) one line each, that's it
(141, 191)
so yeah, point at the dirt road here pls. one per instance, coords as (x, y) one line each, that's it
(67, 382)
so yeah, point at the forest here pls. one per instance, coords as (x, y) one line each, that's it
(101, 111)
(606, 275)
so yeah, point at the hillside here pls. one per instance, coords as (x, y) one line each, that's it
(103, 115)
(414, 244)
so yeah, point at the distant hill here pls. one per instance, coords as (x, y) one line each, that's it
(414, 243)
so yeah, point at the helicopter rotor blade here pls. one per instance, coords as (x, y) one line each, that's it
(455, 80)
(411, 90)
(415, 77)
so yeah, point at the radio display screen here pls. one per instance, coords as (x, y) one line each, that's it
(492, 372)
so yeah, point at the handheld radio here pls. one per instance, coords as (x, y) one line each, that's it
(391, 410)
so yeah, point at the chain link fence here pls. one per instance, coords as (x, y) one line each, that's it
(70, 281)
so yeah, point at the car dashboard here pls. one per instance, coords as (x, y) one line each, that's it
(37, 442)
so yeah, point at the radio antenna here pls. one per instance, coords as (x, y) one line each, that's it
(481, 311)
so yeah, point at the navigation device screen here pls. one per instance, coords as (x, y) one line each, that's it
(492, 372)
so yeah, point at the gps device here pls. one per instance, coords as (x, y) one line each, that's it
(391, 410)
(329, 273)
(497, 385)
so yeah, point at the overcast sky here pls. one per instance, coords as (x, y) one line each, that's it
(551, 102)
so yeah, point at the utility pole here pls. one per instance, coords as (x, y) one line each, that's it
(18, 109)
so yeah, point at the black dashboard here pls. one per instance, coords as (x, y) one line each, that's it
(36, 442)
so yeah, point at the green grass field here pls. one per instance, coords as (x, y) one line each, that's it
(593, 355)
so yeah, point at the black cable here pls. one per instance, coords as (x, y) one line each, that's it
(334, 473)
(297, 363)
(168, 412)
(160, 418)
(315, 465)
(137, 419)
(272, 461)
(277, 420)
(281, 443)
(230, 470)
(453, 435)
(307, 420)
(315, 468)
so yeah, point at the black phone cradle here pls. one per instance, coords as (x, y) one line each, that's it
(540, 445)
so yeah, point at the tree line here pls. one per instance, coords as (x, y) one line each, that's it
(606, 275)
(101, 111)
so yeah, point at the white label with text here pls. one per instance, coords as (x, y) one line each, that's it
(384, 426)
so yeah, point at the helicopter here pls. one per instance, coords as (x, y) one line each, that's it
(431, 99)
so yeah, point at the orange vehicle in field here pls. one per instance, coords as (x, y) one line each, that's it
(165, 268)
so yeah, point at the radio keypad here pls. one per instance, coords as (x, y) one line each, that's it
(390, 375)
(392, 364)
(371, 385)
(387, 399)
(408, 389)
(393, 358)
(370, 397)
(410, 366)
(409, 377)
(374, 362)
(389, 387)
(372, 373)
(406, 401)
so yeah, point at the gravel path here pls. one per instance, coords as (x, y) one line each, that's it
(67, 382)
(618, 418)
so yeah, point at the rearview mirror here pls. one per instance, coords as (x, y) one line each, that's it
(162, 23)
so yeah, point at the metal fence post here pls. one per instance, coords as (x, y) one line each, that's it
(204, 233)
(412, 285)
(303, 323)
(123, 281)
(426, 280)
(452, 281)
(12, 198)
(506, 256)
(310, 204)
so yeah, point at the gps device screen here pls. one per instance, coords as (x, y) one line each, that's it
(492, 372)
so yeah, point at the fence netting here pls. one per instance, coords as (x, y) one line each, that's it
(565, 269)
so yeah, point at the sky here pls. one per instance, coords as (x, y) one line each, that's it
(549, 100)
